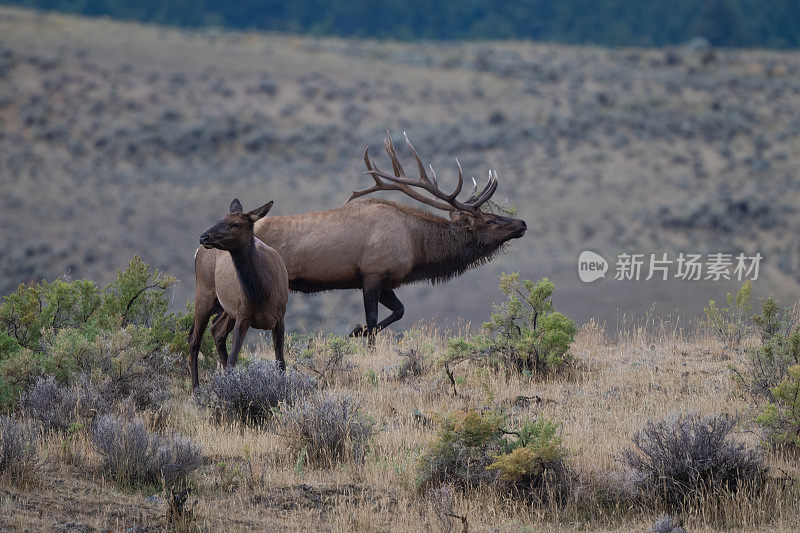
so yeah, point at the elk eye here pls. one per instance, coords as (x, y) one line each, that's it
(235, 225)
(490, 222)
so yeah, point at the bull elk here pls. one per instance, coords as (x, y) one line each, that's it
(377, 245)
(240, 275)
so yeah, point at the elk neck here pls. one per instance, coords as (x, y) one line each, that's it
(244, 261)
(447, 250)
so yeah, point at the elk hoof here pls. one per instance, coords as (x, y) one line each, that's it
(358, 331)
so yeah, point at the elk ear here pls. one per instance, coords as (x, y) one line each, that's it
(236, 206)
(261, 212)
(459, 216)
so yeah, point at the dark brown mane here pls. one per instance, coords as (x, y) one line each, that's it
(248, 274)
(447, 252)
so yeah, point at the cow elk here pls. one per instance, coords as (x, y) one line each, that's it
(238, 274)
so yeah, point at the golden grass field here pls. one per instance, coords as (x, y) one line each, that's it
(250, 483)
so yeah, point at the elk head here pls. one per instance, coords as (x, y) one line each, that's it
(487, 227)
(234, 230)
(490, 227)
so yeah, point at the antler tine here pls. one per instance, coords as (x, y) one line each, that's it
(400, 182)
(396, 166)
(379, 185)
(486, 193)
(452, 196)
(474, 192)
(423, 176)
(371, 165)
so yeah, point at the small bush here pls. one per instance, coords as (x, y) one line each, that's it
(525, 333)
(536, 450)
(681, 457)
(416, 349)
(781, 419)
(324, 358)
(17, 450)
(413, 364)
(766, 365)
(666, 524)
(250, 392)
(473, 449)
(124, 333)
(730, 324)
(60, 407)
(328, 427)
(132, 455)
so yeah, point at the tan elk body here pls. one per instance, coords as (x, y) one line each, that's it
(377, 245)
(244, 280)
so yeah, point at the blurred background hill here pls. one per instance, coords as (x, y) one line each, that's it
(119, 138)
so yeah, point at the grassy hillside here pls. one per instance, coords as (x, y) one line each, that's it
(255, 478)
(118, 139)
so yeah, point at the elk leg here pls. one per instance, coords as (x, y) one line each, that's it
(220, 329)
(202, 314)
(371, 298)
(277, 343)
(390, 301)
(239, 331)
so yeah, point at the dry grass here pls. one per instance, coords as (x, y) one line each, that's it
(251, 481)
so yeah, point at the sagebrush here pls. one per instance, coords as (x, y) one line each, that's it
(18, 459)
(249, 392)
(62, 406)
(682, 457)
(132, 454)
(328, 428)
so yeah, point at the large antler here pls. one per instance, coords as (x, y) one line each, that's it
(400, 182)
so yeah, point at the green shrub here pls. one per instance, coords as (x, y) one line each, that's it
(775, 319)
(324, 357)
(731, 323)
(123, 334)
(781, 419)
(525, 333)
(766, 365)
(771, 372)
(473, 448)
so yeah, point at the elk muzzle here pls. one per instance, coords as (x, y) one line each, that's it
(205, 240)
